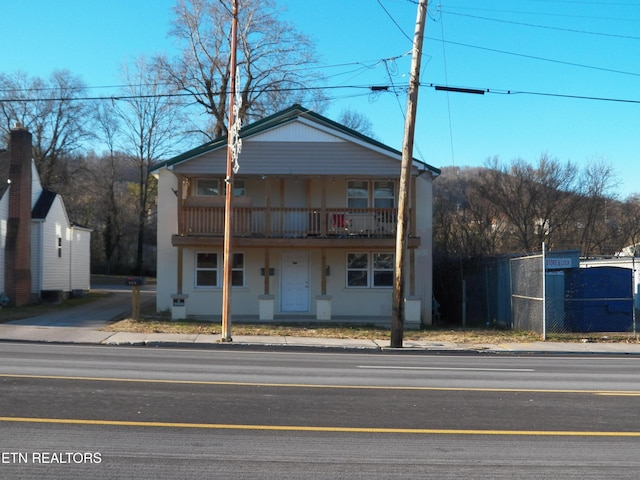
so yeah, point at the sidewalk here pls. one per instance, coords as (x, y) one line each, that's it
(82, 325)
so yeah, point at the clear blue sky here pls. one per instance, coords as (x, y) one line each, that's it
(550, 49)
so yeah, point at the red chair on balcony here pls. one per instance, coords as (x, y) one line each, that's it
(339, 223)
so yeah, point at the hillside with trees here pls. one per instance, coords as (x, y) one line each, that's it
(513, 207)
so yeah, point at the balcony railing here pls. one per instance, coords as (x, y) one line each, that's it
(290, 222)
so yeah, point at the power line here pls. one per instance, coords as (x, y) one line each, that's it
(547, 27)
(573, 15)
(395, 22)
(115, 98)
(449, 88)
(536, 57)
(393, 88)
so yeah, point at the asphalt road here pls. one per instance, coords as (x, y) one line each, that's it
(102, 412)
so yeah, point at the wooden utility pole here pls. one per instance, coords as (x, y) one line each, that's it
(402, 232)
(228, 204)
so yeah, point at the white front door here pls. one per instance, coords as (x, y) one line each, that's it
(294, 292)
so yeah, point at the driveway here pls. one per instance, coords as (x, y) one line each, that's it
(93, 315)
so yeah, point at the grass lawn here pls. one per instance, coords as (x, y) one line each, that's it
(152, 322)
(155, 323)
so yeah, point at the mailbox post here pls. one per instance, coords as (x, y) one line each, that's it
(135, 283)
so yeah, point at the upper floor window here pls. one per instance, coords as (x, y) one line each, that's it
(357, 194)
(211, 186)
(207, 186)
(383, 194)
(239, 187)
(370, 194)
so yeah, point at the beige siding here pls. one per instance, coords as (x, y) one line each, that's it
(296, 132)
(358, 302)
(167, 255)
(302, 158)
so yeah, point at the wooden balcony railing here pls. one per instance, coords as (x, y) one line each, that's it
(290, 222)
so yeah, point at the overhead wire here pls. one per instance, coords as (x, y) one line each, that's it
(388, 64)
(536, 57)
(547, 27)
(446, 77)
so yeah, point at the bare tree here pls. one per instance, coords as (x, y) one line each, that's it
(594, 226)
(465, 225)
(109, 129)
(356, 121)
(49, 109)
(150, 122)
(534, 200)
(273, 59)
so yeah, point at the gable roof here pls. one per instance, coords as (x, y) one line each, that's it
(43, 205)
(283, 117)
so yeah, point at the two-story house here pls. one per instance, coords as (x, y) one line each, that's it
(314, 224)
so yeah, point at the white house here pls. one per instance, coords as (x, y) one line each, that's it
(41, 251)
(314, 221)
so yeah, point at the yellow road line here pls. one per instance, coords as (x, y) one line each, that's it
(620, 394)
(298, 428)
(329, 386)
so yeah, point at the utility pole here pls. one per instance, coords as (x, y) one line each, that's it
(228, 204)
(402, 232)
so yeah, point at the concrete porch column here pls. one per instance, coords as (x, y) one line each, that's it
(323, 307)
(266, 305)
(179, 306)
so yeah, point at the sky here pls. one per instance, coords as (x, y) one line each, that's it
(560, 76)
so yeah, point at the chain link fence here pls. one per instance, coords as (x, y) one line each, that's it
(553, 296)
(527, 297)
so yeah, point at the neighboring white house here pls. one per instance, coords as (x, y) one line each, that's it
(314, 221)
(57, 253)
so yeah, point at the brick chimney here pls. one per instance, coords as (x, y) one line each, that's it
(17, 272)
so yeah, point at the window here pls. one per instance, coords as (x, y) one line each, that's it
(375, 194)
(370, 269)
(237, 270)
(239, 187)
(383, 269)
(206, 270)
(357, 194)
(383, 194)
(59, 247)
(357, 270)
(209, 270)
(207, 186)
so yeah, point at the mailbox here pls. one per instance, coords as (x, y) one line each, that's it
(134, 281)
(178, 302)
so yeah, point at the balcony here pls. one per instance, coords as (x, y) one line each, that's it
(290, 222)
(200, 222)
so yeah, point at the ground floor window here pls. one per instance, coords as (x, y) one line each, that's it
(370, 269)
(209, 269)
